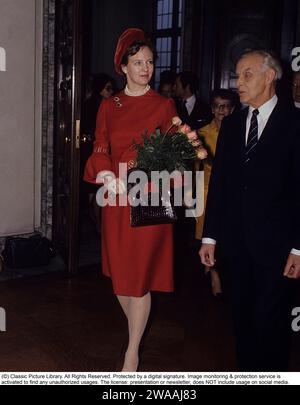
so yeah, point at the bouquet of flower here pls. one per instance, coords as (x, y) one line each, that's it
(170, 151)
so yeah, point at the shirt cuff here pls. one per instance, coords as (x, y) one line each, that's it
(213, 242)
(210, 241)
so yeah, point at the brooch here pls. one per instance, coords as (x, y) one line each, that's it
(117, 101)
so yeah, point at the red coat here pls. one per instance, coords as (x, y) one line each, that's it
(140, 259)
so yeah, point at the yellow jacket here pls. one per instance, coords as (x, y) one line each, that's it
(209, 136)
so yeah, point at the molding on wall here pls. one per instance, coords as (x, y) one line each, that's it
(38, 101)
(45, 23)
(48, 117)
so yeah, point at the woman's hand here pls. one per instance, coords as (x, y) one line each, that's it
(113, 185)
(116, 186)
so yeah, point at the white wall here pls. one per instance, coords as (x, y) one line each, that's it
(20, 115)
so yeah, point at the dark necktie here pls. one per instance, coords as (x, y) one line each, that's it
(252, 136)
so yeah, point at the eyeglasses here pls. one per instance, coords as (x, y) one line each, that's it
(222, 106)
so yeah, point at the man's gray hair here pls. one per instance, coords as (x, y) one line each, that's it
(271, 61)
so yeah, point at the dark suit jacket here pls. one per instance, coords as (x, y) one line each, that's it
(199, 117)
(256, 205)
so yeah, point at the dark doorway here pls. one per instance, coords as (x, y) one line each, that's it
(220, 31)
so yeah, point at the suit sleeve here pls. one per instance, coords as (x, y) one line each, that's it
(296, 185)
(100, 158)
(216, 190)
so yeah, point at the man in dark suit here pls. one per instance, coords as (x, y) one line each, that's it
(253, 213)
(196, 114)
(190, 109)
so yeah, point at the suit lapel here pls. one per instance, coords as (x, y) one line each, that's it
(196, 113)
(193, 114)
(270, 128)
(242, 134)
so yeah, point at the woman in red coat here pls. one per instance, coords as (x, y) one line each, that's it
(138, 260)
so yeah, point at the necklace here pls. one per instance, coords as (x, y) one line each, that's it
(136, 93)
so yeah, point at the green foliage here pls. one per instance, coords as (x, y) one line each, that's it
(160, 152)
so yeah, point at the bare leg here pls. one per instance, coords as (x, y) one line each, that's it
(124, 302)
(138, 314)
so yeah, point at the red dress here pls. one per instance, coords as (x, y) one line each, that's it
(140, 259)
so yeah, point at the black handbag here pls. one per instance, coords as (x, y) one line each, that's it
(143, 215)
(22, 252)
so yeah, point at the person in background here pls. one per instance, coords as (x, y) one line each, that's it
(137, 259)
(296, 89)
(191, 110)
(195, 114)
(100, 87)
(223, 102)
(167, 84)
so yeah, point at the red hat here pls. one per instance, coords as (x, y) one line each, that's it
(126, 39)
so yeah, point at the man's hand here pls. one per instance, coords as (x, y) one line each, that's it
(292, 267)
(207, 254)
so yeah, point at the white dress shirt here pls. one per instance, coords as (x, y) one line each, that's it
(297, 105)
(190, 103)
(262, 118)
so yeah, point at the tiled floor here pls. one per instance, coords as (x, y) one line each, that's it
(59, 324)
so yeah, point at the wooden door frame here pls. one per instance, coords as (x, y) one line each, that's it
(71, 251)
(73, 236)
